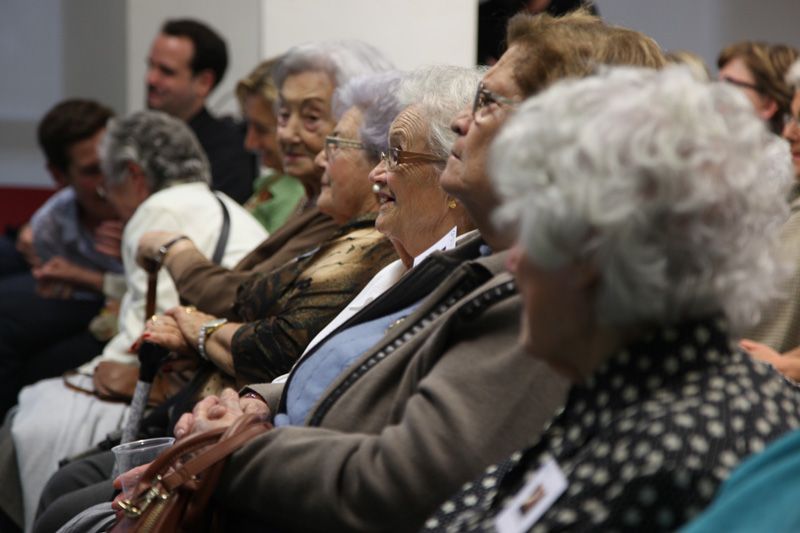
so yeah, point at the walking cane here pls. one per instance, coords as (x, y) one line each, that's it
(150, 357)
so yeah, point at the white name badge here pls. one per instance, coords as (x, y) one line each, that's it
(448, 242)
(530, 503)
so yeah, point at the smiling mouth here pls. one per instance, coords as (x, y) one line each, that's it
(384, 198)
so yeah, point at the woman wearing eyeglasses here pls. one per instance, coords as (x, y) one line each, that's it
(759, 70)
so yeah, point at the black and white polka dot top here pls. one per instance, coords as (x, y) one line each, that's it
(645, 443)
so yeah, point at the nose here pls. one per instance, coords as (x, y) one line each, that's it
(321, 160)
(289, 132)
(152, 76)
(461, 123)
(790, 130)
(251, 139)
(377, 176)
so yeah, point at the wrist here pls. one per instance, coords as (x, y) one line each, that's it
(165, 248)
(206, 330)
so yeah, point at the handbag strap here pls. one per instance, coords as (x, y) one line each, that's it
(222, 242)
(221, 442)
(237, 436)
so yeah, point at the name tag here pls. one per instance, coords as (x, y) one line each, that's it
(530, 503)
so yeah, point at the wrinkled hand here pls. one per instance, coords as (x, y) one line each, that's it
(25, 245)
(108, 238)
(212, 412)
(164, 331)
(149, 243)
(189, 320)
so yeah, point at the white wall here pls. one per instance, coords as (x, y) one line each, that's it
(31, 66)
(53, 49)
(412, 33)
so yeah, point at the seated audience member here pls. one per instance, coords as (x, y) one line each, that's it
(74, 240)
(187, 61)
(779, 329)
(275, 195)
(759, 70)
(306, 78)
(630, 219)
(156, 176)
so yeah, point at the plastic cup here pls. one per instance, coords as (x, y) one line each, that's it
(137, 453)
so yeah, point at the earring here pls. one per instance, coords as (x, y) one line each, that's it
(452, 203)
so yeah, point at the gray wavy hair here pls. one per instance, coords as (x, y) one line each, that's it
(376, 96)
(164, 147)
(341, 60)
(440, 92)
(662, 181)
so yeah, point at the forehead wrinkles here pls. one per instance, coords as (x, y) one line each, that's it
(409, 128)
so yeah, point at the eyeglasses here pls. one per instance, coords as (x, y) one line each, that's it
(396, 156)
(790, 120)
(484, 98)
(740, 83)
(334, 144)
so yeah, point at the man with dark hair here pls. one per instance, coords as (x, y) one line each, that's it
(187, 61)
(75, 235)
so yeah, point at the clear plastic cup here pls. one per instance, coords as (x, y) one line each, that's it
(137, 453)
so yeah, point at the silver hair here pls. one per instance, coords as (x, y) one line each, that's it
(376, 96)
(340, 60)
(793, 75)
(440, 92)
(164, 147)
(670, 186)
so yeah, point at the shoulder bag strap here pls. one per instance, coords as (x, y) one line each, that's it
(219, 251)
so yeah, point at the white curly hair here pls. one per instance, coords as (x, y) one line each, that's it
(670, 186)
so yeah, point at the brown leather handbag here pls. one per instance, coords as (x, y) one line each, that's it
(173, 493)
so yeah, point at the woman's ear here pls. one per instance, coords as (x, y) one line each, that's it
(139, 181)
(768, 108)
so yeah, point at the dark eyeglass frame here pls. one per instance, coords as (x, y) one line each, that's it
(790, 120)
(484, 98)
(396, 156)
(740, 83)
(334, 144)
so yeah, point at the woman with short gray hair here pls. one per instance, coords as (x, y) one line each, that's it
(645, 236)
(157, 178)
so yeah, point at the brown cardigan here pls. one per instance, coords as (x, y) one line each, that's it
(417, 415)
(212, 288)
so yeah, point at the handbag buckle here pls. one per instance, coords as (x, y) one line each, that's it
(131, 510)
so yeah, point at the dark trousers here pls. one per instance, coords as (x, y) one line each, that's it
(72, 489)
(40, 337)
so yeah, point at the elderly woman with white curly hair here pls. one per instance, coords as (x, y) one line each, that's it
(156, 176)
(631, 220)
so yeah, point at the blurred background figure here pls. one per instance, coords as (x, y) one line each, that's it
(275, 195)
(759, 70)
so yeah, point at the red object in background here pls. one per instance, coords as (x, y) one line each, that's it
(17, 204)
